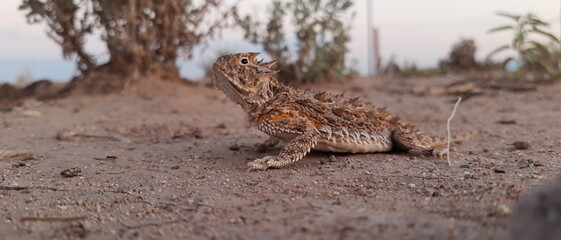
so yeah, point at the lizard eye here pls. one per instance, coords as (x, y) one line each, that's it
(244, 61)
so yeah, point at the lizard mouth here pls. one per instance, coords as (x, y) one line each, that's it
(222, 80)
(230, 88)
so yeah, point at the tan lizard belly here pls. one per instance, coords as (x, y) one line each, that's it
(383, 145)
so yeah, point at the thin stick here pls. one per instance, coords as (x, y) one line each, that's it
(21, 188)
(448, 130)
(54, 218)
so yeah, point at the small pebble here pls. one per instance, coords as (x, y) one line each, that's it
(332, 158)
(521, 145)
(498, 170)
(537, 164)
(17, 165)
(71, 172)
(524, 163)
(362, 192)
(234, 147)
(509, 121)
(503, 210)
(63, 207)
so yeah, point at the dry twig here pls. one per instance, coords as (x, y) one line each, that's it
(21, 188)
(53, 218)
(16, 155)
(448, 130)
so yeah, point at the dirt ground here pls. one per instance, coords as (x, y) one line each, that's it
(169, 164)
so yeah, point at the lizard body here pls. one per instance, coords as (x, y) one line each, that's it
(309, 120)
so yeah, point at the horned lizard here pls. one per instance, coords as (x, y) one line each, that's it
(312, 120)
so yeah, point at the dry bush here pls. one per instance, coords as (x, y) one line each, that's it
(461, 57)
(144, 38)
(321, 37)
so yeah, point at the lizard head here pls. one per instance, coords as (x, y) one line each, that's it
(244, 79)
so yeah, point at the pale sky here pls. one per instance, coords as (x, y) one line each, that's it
(417, 31)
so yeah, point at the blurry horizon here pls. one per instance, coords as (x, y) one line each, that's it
(419, 32)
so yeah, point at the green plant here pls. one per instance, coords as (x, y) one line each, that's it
(320, 33)
(533, 55)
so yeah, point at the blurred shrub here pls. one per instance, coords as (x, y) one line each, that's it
(407, 69)
(461, 57)
(321, 39)
(143, 37)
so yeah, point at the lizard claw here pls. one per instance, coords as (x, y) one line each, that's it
(261, 164)
(440, 152)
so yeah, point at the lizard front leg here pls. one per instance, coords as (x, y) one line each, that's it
(292, 152)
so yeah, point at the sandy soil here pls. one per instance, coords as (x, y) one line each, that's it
(169, 164)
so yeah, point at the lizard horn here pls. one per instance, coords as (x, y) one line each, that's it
(270, 64)
(253, 55)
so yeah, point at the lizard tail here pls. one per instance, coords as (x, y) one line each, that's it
(407, 137)
(458, 138)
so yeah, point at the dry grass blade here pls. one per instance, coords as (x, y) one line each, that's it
(68, 135)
